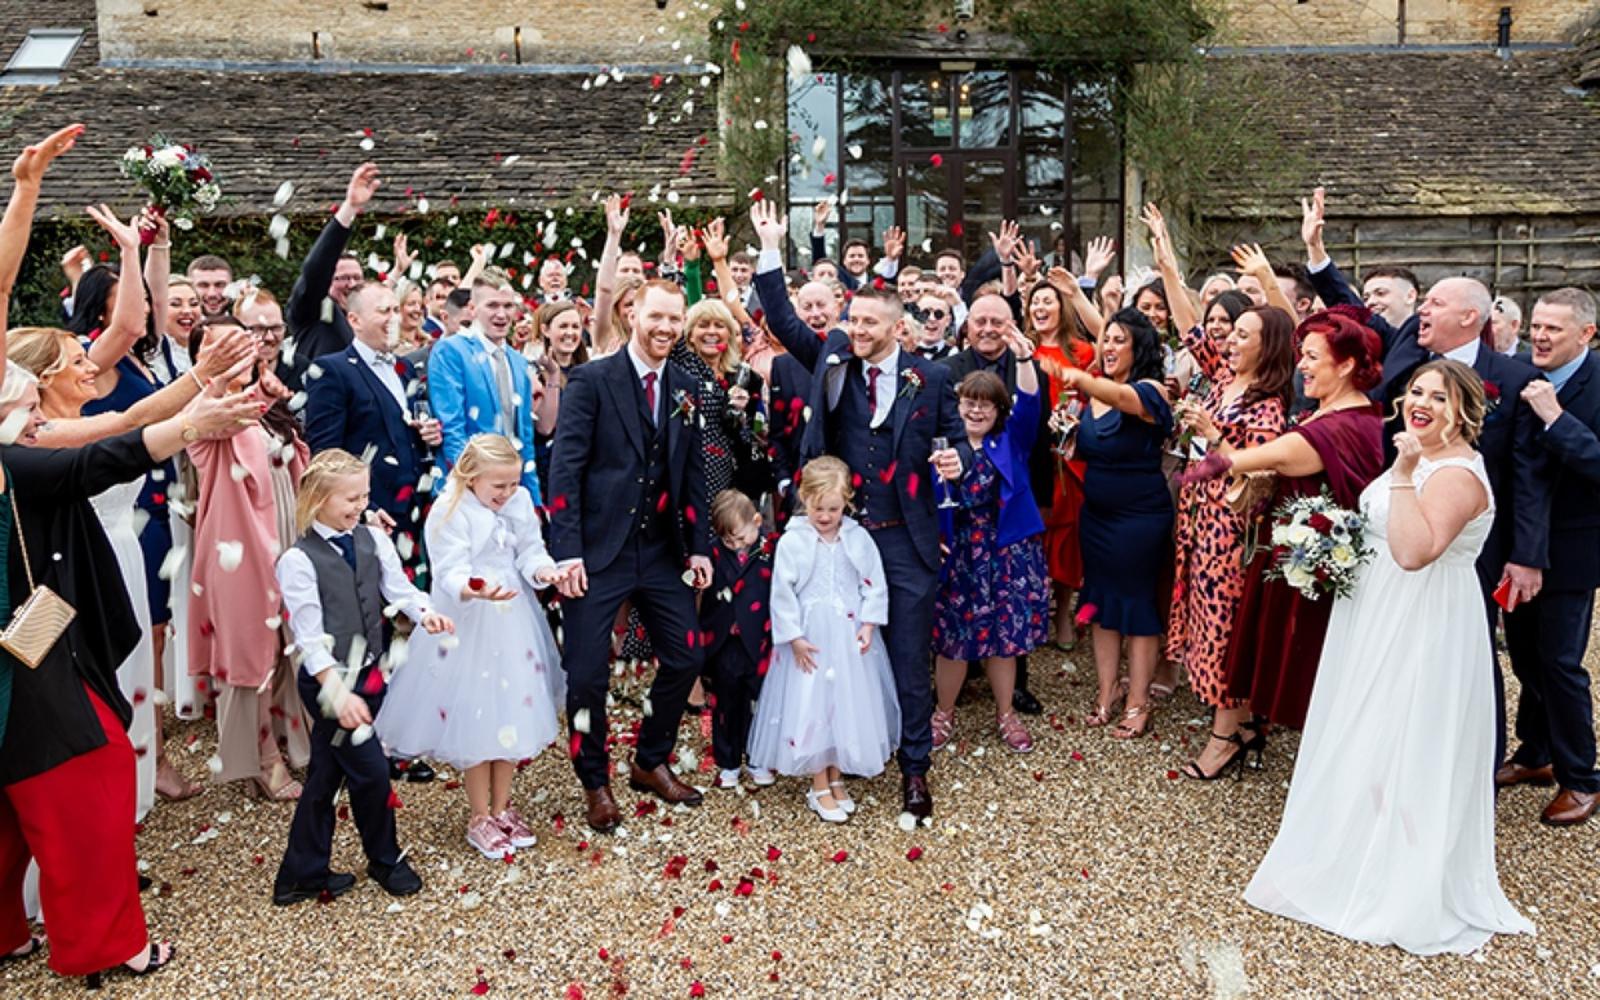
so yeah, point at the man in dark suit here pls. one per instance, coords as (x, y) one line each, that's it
(1548, 635)
(363, 398)
(360, 399)
(328, 274)
(629, 511)
(987, 323)
(879, 408)
(1450, 323)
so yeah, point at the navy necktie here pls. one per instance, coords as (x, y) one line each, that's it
(346, 544)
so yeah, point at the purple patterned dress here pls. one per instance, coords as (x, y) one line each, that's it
(992, 601)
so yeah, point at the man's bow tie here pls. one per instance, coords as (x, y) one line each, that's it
(384, 358)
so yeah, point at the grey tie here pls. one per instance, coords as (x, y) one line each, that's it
(502, 381)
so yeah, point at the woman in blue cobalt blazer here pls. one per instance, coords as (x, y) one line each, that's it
(994, 595)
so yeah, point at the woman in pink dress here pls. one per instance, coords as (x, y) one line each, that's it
(244, 509)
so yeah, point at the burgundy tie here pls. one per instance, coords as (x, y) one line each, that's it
(872, 390)
(650, 394)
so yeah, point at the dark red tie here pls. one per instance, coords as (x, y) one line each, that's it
(650, 394)
(872, 391)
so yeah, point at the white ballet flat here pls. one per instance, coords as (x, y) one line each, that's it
(845, 801)
(834, 815)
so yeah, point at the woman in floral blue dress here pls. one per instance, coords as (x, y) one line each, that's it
(994, 587)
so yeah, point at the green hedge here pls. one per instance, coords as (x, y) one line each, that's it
(245, 242)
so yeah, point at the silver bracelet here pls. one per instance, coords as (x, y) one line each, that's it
(197, 381)
(161, 246)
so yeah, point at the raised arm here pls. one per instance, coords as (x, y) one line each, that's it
(797, 338)
(158, 265)
(127, 311)
(1184, 314)
(316, 273)
(28, 170)
(1068, 286)
(605, 279)
(1119, 395)
(715, 239)
(1251, 259)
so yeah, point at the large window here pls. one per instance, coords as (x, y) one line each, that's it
(949, 153)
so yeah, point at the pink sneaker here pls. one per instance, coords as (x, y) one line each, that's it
(491, 841)
(515, 828)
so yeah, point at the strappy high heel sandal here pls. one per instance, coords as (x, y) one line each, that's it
(1101, 716)
(1235, 761)
(95, 980)
(278, 785)
(1125, 729)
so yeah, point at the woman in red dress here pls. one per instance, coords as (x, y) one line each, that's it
(1060, 346)
(1277, 633)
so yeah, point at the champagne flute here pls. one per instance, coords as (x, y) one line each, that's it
(946, 501)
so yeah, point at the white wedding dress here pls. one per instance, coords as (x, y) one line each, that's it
(122, 521)
(1388, 832)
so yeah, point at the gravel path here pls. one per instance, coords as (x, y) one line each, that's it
(1088, 868)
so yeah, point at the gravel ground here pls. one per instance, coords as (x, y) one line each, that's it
(1087, 868)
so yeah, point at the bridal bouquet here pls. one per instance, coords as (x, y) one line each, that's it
(177, 179)
(1317, 546)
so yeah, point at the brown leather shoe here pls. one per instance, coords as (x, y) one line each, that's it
(1511, 773)
(663, 783)
(1570, 808)
(602, 812)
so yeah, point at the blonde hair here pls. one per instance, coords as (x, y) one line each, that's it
(730, 511)
(619, 312)
(318, 482)
(823, 476)
(250, 297)
(1463, 389)
(717, 312)
(481, 453)
(39, 349)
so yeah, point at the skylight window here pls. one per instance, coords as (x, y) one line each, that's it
(41, 57)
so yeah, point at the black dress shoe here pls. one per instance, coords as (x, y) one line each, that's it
(415, 771)
(336, 884)
(398, 879)
(1023, 701)
(918, 800)
(145, 882)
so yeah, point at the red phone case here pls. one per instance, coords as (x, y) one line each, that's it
(1502, 594)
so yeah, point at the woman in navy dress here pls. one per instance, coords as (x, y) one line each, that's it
(1126, 525)
(994, 588)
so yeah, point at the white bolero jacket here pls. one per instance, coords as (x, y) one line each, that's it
(795, 563)
(458, 537)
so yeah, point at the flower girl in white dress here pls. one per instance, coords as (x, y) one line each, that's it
(828, 704)
(1388, 833)
(488, 701)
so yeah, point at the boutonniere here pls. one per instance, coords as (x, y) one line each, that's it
(1491, 397)
(400, 368)
(912, 380)
(684, 405)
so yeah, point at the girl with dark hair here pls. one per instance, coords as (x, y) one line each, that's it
(1219, 315)
(1277, 632)
(1126, 526)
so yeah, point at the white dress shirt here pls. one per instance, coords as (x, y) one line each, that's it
(297, 579)
(640, 367)
(888, 385)
(1467, 353)
(384, 369)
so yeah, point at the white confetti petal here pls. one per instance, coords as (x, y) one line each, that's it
(230, 555)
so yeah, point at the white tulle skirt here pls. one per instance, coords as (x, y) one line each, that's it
(844, 714)
(492, 694)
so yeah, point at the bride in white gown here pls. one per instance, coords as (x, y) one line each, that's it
(1388, 832)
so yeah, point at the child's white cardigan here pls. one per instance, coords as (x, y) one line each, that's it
(455, 538)
(795, 562)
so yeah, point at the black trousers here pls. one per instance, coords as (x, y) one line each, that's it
(1547, 638)
(736, 684)
(364, 769)
(651, 574)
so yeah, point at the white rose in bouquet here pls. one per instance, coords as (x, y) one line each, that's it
(167, 157)
(1299, 578)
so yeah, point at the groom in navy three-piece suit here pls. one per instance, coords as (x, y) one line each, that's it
(628, 512)
(878, 409)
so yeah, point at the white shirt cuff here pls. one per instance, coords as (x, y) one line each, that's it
(1318, 266)
(769, 260)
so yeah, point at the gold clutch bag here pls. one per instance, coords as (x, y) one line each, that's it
(37, 625)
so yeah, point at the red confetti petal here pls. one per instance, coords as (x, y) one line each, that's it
(841, 856)
(936, 160)
(773, 853)
(696, 990)
(914, 854)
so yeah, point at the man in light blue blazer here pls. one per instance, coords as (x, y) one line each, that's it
(477, 384)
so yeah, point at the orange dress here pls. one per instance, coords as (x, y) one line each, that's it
(1061, 548)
